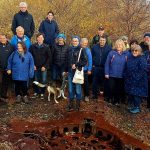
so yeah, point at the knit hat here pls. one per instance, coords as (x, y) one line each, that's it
(101, 28)
(147, 34)
(61, 35)
(77, 37)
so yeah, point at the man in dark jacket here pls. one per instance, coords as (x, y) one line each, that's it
(99, 56)
(60, 51)
(23, 18)
(5, 50)
(101, 32)
(50, 29)
(146, 42)
(42, 57)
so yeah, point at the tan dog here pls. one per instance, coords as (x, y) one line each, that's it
(53, 89)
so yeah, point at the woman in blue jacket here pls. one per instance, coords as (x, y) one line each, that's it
(136, 81)
(114, 68)
(21, 66)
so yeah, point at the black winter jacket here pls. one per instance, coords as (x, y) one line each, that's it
(60, 54)
(25, 20)
(73, 54)
(41, 54)
(5, 52)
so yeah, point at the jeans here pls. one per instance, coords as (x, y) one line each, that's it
(135, 100)
(57, 72)
(40, 76)
(148, 99)
(74, 89)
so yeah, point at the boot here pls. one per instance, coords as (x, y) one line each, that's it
(77, 105)
(70, 106)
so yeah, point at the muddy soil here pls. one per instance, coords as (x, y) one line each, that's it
(39, 110)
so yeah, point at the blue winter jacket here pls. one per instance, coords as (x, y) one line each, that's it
(14, 41)
(88, 66)
(115, 64)
(22, 67)
(135, 75)
(50, 30)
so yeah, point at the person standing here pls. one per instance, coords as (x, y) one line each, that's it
(5, 51)
(21, 66)
(49, 28)
(99, 56)
(114, 69)
(60, 51)
(87, 68)
(20, 37)
(136, 83)
(24, 19)
(100, 32)
(75, 89)
(42, 57)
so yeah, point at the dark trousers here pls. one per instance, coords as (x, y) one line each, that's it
(116, 87)
(86, 84)
(98, 80)
(6, 79)
(134, 101)
(148, 99)
(21, 88)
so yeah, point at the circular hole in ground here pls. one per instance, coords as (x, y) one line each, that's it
(66, 129)
(76, 129)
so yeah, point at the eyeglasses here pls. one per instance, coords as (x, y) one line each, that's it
(134, 50)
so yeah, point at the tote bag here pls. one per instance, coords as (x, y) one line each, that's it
(79, 75)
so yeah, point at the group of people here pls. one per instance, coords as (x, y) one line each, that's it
(122, 72)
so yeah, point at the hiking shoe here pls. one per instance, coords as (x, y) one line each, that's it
(18, 98)
(35, 95)
(42, 96)
(87, 99)
(135, 110)
(25, 99)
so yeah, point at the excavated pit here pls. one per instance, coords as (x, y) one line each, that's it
(76, 131)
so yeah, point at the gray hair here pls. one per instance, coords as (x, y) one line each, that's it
(23, 4)
(84, 39)
(19, 28)
(138, 48)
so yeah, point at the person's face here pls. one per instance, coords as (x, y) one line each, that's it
(3, 39)
(50, 16)
(136, 53)
(20, 48)
(147, 40)
(119, 47)
(23, 8)
(102, 42)
(84, 44)
(61, 41)
(75, 42)
(100, 32)
(125, 41)
(40, 39)
(20, 33)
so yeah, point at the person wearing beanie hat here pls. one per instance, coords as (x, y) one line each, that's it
(145, 44)
(24, 19)
(61, 35)
(59, 50)
(100, 32)
(75, 89)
